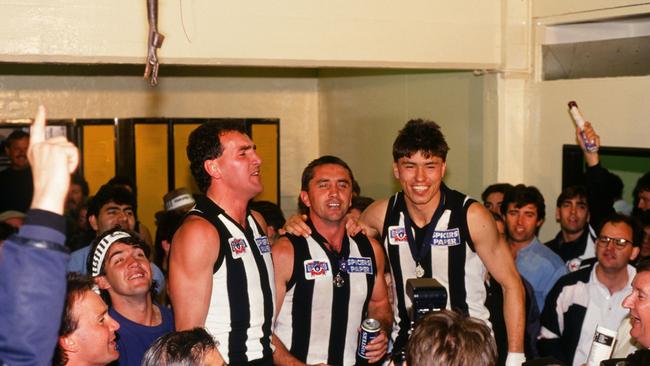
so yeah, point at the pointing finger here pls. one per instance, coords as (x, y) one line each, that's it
(37, 130)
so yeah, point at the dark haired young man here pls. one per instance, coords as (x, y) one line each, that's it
(118, 261)
(524, 211)
(220, 268)
(111, 207)
(492, 196)
(430, 230)
(328, 282)
(575, 243)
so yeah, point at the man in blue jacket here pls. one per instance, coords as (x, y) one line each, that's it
(33, 262)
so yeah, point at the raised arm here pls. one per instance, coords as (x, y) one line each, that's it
(194, 250)
(499, 262)
(33, 262)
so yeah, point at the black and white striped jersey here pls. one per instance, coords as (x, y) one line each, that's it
(451, 258)
(318, 322)
(241, 309)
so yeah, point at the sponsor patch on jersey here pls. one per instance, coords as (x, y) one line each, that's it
(263, 244)
(237, 247)
(397, 235)
(445, 238)
(357, 265)
(573, 264)
(315, 269)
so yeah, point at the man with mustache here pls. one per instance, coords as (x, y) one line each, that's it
(16, 181)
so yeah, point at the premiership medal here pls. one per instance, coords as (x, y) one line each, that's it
(419, 271)
(338, 280)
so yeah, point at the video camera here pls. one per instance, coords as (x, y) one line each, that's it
(426, 295)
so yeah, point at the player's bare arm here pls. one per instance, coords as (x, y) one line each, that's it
(372, 219)
(282, 252)
(496, 256)
(379, 307)
(194, 250)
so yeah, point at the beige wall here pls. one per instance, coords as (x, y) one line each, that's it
(257, 32)
(361, 114)
(618, 108)
(546, 8)
(293, 100)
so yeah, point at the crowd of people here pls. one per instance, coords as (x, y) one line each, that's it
(225, 280)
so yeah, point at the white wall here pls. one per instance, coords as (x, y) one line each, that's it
(617, 107)
(361, 114)
(459, 34)
(294, 100)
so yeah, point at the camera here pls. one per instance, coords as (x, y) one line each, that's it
(426, 294)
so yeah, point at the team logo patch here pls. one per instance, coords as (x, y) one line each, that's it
(316, 268)
(263, 244)
(357, 265)
(574, 264)
(237, 247)
(445, 238)
(397, 235)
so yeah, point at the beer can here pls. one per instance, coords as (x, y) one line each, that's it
(369, 330)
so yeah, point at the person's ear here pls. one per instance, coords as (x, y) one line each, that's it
(102, 282)
(68, 344)
(304, 197)
(92, 220)
(212, 168)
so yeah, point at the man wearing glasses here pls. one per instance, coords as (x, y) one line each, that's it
(582, 300)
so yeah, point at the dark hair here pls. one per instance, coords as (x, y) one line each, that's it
(420, 135)
(361, 202)
(637, 230)
(122, 180)
(15, 135)
(497, 217)
(110, 193)
(134, 241)
(308, 172)
(166, 225)
(186, 348)
(643, 265)
(271, 212)
(6, 231)
(81, 182)
(446, 338)
(571, 192)
(642, 185)
(521, 196)
(497, 187)
(77, 286)
(204, 144)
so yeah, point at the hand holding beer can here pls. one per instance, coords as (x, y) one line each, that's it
(370, 329)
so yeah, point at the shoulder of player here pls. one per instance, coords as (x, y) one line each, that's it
(196, 231)
(373, 215)
(260, 219)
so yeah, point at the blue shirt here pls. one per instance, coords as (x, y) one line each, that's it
(78, 264)
(135, 339)
(541, 267)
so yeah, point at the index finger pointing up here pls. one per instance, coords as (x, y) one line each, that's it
(37, 130)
